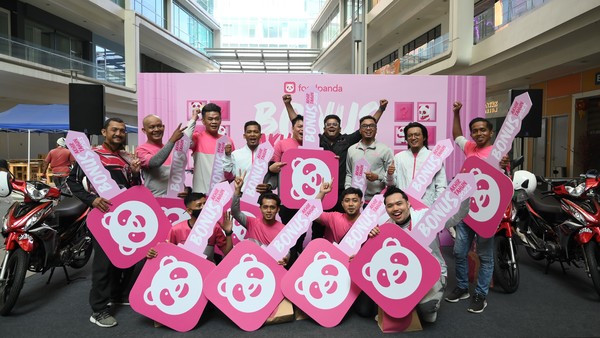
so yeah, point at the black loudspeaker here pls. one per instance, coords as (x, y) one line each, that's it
(86, 108)
(532, 123)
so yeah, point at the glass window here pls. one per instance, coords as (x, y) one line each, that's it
(153, 10)
(191, 30)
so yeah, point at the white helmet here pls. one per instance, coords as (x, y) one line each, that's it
(524, 180)
(62, 142)
(5, 186)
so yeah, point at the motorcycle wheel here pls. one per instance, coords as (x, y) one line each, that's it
(15, 277)
(505, 274)
(592, 253)
(80, 260)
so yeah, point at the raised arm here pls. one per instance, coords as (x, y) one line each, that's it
(382, 105)
(456, 128)
(235, 203)
(287, 101)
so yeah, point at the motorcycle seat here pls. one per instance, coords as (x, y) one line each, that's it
(547, 206)
(69, 209)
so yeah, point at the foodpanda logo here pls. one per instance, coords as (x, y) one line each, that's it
(289, 87)
(325, 283)
(132, 225)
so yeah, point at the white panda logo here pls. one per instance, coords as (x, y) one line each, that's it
(395, 271)
(132, 225)
(249, 286)
(486, 198)
(307, 176)
(175, 288)
(325, 283)
(176, 214)
(426, 112)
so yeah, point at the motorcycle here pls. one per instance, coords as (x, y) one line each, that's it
(41, 233)
(506, 265)
(563, 224)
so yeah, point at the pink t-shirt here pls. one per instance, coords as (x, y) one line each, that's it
(146, 151)
(60, 159)
(336, 225)
(261, 232)
(180, 232)
(283, 146)
(470, 148)
(203, 150)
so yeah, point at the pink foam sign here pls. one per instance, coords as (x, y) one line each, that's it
(359, 180)
(133, 224)
(209, 216)
(246, 285)
(90, 163)
(217, 174)
(444, 207)
(359, 232)
(394, 270)
(510, 128)
(260, 166)
(301, 178)
(299, 224)
(319, 283)
(170, 287)
(310, 135)
(491, 197)
(176, 182)
(174, 209)
(433, 163)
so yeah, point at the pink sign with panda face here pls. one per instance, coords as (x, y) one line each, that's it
(174, 209)
(246, 285)
(319, 283)
(301, 178)
(394, 270)
(170, 287)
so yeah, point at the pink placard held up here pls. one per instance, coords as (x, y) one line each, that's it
(133, 224)
(319, 283)
(444, 207)
(359, 232)
(510, 128)
(260, 166)
(299, 224)
(89, 161)
(208, 218)
(170, 287)
(310, 135)
(246, 285)
(433, 163)
(301, 178)
(359, 180)
(174, 209)
(178, 163)
(394, 270)
(217, 174)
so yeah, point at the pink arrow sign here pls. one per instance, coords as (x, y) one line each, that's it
(359, 180)
(310, 135)
(359, 232)
(217, 174)
(433, 163)
(264, 152)
(178, 163)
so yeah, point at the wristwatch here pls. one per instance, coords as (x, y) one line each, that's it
(228, 233)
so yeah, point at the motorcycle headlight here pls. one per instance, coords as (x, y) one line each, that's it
(577, 191)
(34, 219)
(35, 193)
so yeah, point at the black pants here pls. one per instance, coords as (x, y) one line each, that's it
(108, 281)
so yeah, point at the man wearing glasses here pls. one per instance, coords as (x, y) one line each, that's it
(379, 156)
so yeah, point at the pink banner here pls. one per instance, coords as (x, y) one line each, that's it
(359, 179)
(260, 166)
(209, 216)
(178, 164)
(90, 163)
(359, 232)
(218, 175)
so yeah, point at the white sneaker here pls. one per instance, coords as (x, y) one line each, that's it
(452, 232)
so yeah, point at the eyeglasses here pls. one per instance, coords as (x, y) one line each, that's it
(332, 124)
(368, 126)
(413, 135)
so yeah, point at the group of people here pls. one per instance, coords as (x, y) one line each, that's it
(151, 165)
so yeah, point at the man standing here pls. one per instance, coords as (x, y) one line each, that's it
(109, 283)
(333, 140)
(60, 160)
(241, 160)
(481, 132)
(155, 157)
(379, 156)
(204, 144)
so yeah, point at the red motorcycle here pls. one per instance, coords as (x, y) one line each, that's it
(563, 224)
(41, 233)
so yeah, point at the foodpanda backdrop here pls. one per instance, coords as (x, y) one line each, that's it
(245, 97)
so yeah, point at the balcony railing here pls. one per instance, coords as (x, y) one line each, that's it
(424, 53)
(51, 58)
(499, 15)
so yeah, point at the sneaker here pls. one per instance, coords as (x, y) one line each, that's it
(478, 303)
(429, 317)
(103, 319)
(457, 294)
(452, 232)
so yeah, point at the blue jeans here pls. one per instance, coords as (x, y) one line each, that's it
(485, 250)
